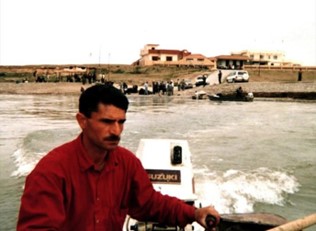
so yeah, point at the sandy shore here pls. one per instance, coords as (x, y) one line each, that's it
(40, 88)
(258, 88)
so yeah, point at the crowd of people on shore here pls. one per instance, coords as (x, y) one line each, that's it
(157, 87)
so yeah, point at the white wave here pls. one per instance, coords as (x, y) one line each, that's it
(236, 191)
(24, 165)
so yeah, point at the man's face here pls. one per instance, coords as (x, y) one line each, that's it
(102, 131)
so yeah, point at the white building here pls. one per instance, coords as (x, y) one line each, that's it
(270, 58)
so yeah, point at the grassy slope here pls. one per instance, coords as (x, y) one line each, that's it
(138, 75)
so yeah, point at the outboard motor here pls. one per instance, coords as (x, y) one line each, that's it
(169, 168)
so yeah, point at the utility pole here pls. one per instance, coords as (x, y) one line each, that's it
(109, 67)
(259, 62)
(100, 56)
(100, 74)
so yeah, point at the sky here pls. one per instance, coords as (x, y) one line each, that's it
(114, 31)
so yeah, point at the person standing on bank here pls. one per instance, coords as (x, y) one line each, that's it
(146, 88)
(204, 80)
(300, 75)
(92, 183)
(220, 77)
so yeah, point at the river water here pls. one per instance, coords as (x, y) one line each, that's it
(247, 157)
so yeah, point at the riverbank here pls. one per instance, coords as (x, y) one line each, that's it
(301, 90)
(263, 83)
(296, 90)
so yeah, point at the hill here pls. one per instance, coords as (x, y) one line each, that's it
(138, 75)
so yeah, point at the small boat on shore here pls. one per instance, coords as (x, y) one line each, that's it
(246, 97)
(238, 95)
(200, 95)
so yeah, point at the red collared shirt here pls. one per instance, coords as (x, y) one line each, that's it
(65, 191)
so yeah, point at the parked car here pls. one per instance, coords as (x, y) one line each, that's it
(188, 84)
(237, 76)
(201, 80)
(184, 84)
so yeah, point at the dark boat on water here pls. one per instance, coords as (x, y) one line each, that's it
(238, 95)
(246, 97)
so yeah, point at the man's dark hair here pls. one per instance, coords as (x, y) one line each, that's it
(100, 93)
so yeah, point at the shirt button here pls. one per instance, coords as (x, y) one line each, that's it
(97, 221)
(98, 198)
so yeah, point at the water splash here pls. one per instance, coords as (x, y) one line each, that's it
(23, 163)
(35, 145)
(236, 191)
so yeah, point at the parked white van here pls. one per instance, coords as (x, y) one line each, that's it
(237, 76)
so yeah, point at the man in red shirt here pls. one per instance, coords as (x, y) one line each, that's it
(92, 183)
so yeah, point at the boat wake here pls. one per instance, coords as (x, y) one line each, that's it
(236, 191)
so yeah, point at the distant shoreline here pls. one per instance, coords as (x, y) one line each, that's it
(299, 90)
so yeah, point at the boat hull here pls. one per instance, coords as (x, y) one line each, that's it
(231, 97)
(250, 221)
(229, 222)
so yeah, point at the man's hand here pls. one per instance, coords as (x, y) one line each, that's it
(202, 213)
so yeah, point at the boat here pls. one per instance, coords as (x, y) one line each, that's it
(170, 159)
(200, 95)
(246, 97)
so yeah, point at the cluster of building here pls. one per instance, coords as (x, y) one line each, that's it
(151, 55)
